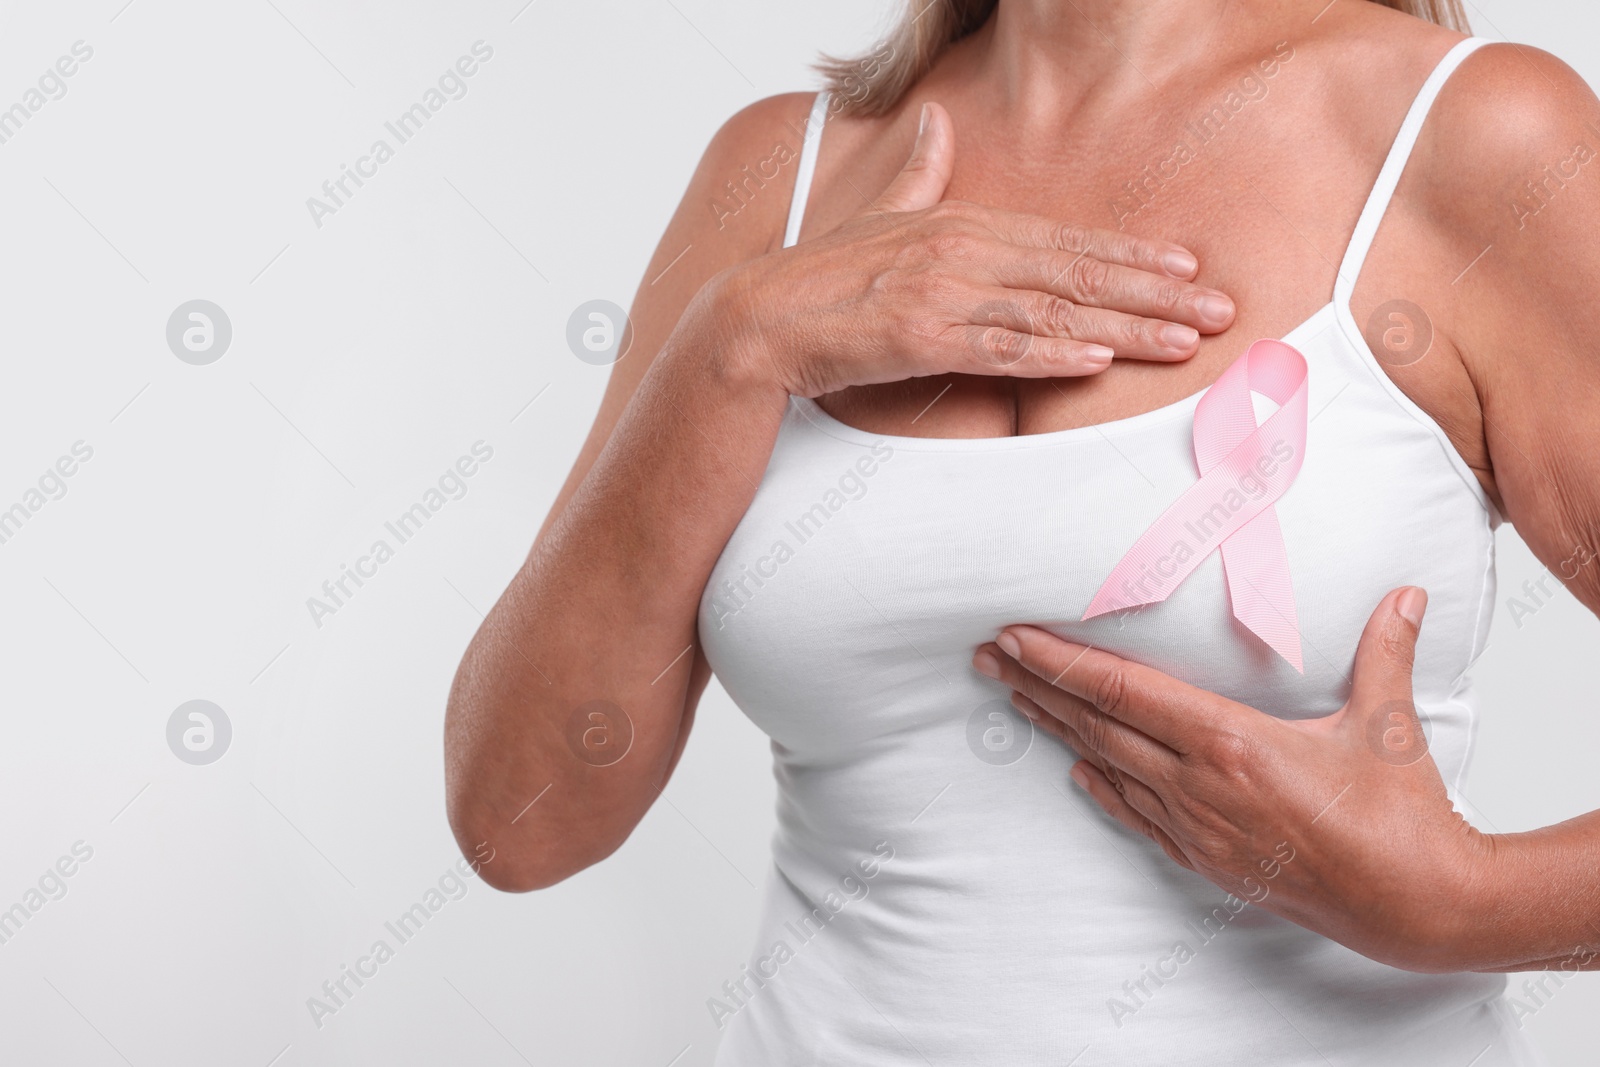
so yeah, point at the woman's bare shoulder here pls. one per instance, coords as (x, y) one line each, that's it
(743, 181)
(1508, 116)
(732, 209)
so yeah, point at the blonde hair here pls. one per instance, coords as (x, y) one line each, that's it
(873, 84)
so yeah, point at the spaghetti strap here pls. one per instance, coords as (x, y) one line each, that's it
(1393, 166)
(808, 166)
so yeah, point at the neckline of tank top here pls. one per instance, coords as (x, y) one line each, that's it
(1343, 320)
(833, 427)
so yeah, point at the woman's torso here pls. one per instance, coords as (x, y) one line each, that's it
(940, 893)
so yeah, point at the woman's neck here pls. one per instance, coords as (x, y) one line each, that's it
(1047, 56)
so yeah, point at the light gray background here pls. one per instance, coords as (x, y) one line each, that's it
(368, 355)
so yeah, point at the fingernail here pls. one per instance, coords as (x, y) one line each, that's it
(922, 122)
(986, 665)
(1179, 264)
(1097, 357)
(1179, 337)
(1009, 644)
(1413, 602)
(1215, 309)
(1078, 775)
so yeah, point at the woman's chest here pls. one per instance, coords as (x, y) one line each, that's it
(851, 597)
(1276, 280)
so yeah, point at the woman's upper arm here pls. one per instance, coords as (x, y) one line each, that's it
(1524, 196)
(709, 232)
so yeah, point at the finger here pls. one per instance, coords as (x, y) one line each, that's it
(1116, 805)
(1121, 745)
(1139, 793)
(1128, 336)
(985, 347)
(922, 181)
(1085, 279)
(1387, 649)
(1178, 715)
(1110, 246)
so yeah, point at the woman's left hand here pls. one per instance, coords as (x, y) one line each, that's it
(1341, 824)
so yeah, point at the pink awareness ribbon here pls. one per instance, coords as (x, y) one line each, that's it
(1244, 469)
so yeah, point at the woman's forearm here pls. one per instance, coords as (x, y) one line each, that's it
(1537, 904)
(605, 610)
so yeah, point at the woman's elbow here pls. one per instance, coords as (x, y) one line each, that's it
(500, 865)
(514, 862)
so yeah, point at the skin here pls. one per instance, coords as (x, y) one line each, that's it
(873, 314)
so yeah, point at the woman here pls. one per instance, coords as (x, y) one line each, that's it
(921, 464)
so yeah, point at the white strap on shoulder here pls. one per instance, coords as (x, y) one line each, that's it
(1395, 164)
(808, 166)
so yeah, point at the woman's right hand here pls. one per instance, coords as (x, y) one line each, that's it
(917, 285)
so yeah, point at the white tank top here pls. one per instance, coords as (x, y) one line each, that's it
(940, 893)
